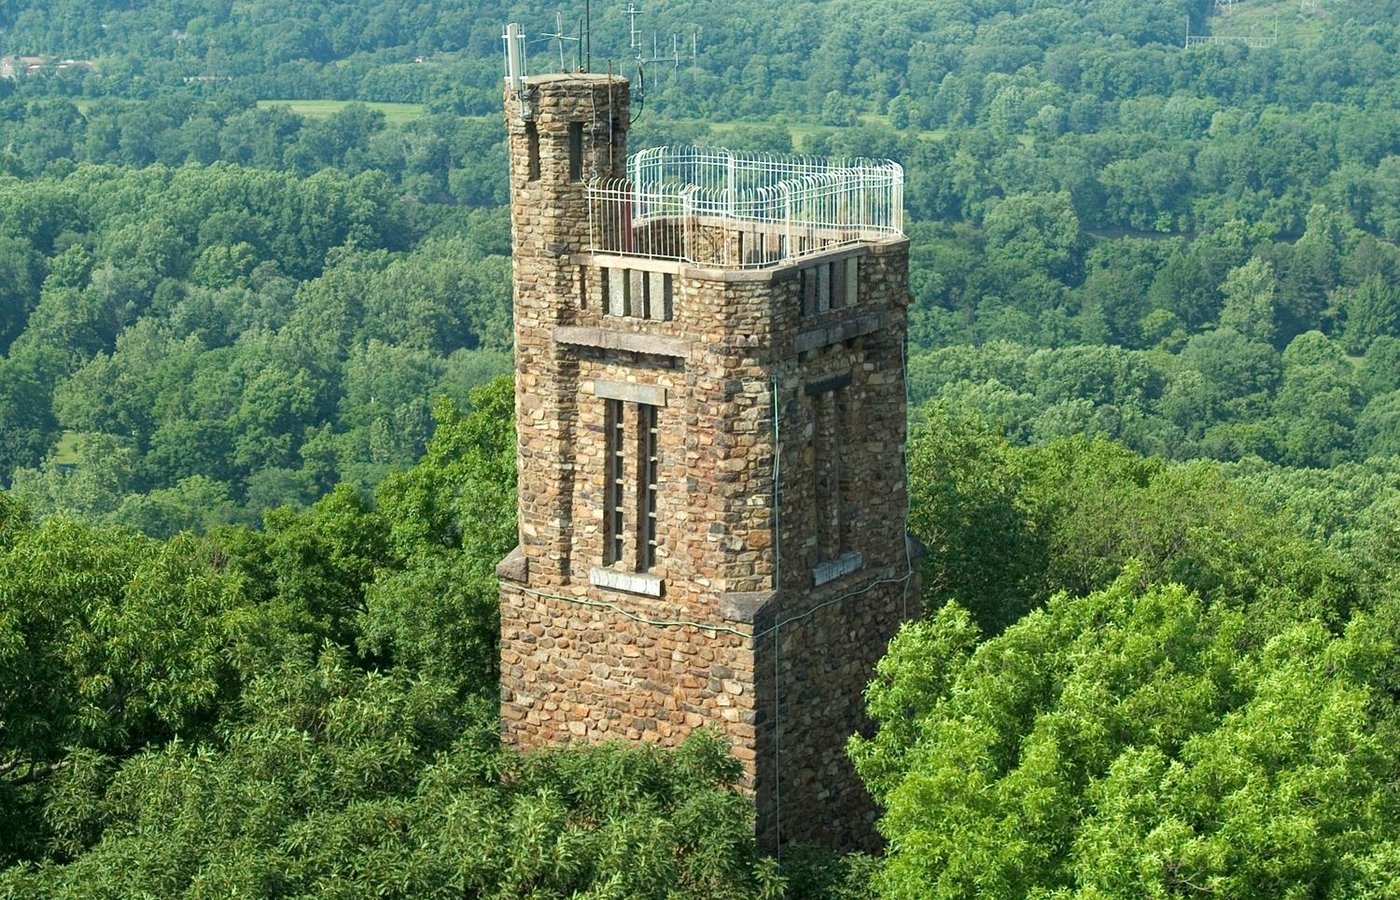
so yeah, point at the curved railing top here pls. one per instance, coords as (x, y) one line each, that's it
(759, 209)
(715, 166)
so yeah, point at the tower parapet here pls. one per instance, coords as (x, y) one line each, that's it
(713, 207)
(711, 412)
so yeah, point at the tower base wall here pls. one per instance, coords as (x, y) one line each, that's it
(785, 688)
(812, 667)
(579, 669)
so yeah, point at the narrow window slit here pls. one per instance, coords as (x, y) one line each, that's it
(615, 475)
(575, 151)
(532, 150)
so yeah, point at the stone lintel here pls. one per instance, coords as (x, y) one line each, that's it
(835, 254)
(631, 341)
(631, 582)
(833, 569)
(619, 261)
(837, 332)
(745, 607)
(515, 567)
(888, 245)
(649, 394)
(732, 276)
(827, 385)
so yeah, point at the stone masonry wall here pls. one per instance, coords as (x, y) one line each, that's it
(822, 640)
(549, 221)
(745, 623)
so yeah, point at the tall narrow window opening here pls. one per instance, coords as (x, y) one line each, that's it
(575, 151)
(532, 151)
(616, 484)
(831, 487)
(646, 556)
(633, 462)
(838, 284)
(827, 474)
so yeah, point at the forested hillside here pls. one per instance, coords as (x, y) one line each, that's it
(309, 710)
(252, 488)
(1207, 697)
(1217, 224)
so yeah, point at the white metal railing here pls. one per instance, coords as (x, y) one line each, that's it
(714, 207)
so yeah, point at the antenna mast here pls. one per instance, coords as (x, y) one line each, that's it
(636, 36)
(514, 39)
(676, 52)
(560, 37)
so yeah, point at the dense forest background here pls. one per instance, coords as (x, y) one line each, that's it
(254, 291)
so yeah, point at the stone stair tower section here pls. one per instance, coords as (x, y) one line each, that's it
(563, 131)
(712, 496)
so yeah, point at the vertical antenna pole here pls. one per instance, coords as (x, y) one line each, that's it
(515, 62)
(634, 36)
(559, 37)
(517, 56)
(588, 34)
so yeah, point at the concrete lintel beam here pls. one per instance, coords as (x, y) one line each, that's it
(833, 569)
(837, 332)
(630, 341)
(649, 394)
(631, 582)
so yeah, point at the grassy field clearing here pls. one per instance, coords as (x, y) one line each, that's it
(394, 113)
(65, 452)
(1263, 18)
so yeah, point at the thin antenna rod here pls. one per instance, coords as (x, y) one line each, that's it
(516, 62)
(560, 37)
(588, 34)
(635, 36)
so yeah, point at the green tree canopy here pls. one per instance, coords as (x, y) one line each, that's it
(1137, 742)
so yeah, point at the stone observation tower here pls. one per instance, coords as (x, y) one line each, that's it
(711, 410)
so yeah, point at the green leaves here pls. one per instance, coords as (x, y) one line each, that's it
(1134, 743)
(1037, 230)
(915, 675)
(349, 784)
(190, 717)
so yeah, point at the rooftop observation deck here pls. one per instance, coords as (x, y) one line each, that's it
(714, 208)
